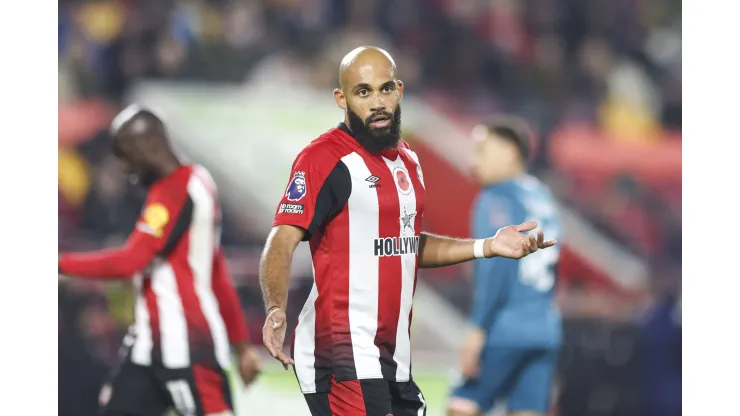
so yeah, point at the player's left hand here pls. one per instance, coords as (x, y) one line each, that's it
(513, 242)
(250, 365)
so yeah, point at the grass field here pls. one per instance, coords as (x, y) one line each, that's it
(277, 394)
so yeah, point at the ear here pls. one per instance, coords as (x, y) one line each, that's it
(340, 99)
(399, 88)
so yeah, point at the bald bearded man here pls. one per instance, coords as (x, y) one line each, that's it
(187, 310)
(356, 194)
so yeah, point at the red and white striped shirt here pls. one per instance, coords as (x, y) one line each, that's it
(362, 215)
(186, 309)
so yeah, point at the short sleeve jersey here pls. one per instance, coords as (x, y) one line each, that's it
(362, 214)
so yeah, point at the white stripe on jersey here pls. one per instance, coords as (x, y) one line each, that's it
(418, 172)
(412, 155)
(202, 245)
(173, 328)
(141, 352)
(364, 228)
(402, 353)
(305, 341)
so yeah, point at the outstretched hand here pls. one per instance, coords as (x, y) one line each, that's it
(513, 241)
(273, 336)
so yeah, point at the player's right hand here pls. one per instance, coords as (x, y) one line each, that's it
(249, 364)
(273, 335)
(470, 354)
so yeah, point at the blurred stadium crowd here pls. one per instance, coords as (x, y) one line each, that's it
(611, 65)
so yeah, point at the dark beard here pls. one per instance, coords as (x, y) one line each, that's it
(372, 139)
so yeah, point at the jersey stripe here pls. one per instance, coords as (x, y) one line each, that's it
(202, 243)
(419, 197)
(406, 206)
(363, 271)
(304, 343)
(151, 306)
(390, 284)
(172, 324)
(141, 352)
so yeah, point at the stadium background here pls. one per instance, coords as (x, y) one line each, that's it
(246, 84)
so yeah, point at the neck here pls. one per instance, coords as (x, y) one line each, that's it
(169, 165)
(506, 177)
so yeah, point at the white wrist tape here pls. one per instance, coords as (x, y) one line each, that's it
(478, 249)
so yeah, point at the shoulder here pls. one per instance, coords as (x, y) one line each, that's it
(404, 146)
(497, 196)
(534, 187)
(325, 151)
(497, 206)
(175, 183)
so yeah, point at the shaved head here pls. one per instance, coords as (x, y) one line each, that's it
(367, 58)
(140, 142)
(135, 121)
(370, 96)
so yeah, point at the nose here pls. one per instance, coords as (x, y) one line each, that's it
(378, 102)
(378, 108)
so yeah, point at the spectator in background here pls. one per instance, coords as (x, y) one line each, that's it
(77, 361)
(660, 347)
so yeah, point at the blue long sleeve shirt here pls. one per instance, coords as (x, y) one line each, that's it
(513, 300)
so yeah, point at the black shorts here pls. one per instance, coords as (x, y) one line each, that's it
(375, 397)
(136, 390)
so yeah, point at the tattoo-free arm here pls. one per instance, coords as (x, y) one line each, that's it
(275, 263)
(440, 251)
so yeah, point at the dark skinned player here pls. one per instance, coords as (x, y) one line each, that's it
(187, 313)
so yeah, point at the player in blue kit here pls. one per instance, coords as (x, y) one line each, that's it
(511, 352)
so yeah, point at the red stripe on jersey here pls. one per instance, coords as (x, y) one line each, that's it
(389, 267)
(210, 384)
(333, 285)
(323, 260)
(199, 333)
(420, 193)
(346, 398)
(151, 305)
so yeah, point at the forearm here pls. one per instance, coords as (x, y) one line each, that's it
(121, 263)
(483, 312)
(488, 287)
(229, 304)
(106, 264)
(440, 251)
(481, 316)
(274, 274)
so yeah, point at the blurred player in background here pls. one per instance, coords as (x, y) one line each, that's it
(187, 312)
(512, 349)
(356, 194)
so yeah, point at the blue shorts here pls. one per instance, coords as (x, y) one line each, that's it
(521, 376)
